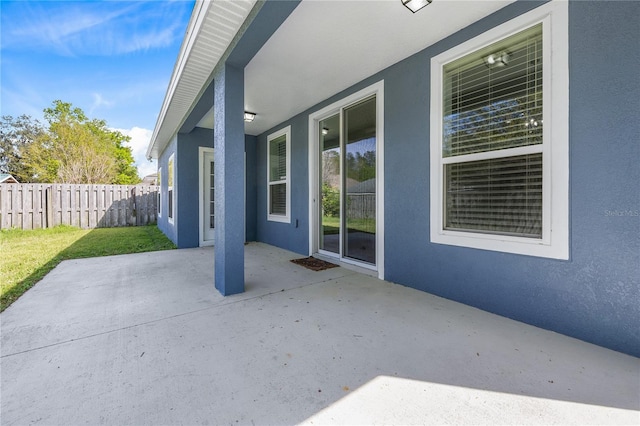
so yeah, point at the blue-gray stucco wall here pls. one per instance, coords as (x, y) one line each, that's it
(594, 296)
(188, 200)
(184, 231)
(185, 227)
(250, 145)
(293, 236)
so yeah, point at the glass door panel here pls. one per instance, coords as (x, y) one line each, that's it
(359, 202)
(330, 184)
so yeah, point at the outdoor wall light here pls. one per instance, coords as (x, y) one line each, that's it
(415, 5)
(249, 116)
(497, 60)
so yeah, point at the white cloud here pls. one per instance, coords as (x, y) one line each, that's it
(63, 29)
(94, 28)
(99, 101)
(139, 142)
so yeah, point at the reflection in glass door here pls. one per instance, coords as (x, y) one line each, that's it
(330, 184)
(360, 181)
(348, 182)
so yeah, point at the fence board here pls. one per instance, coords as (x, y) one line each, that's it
(30, 206)
(49, 206)
(4, 191)
(36, 203)
(27, 207)
(17, 216)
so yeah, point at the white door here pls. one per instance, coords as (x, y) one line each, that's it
(207, 199)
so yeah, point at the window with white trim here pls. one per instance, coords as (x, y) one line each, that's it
(170, 185)
(278, 175)
(159, 198)
(499, 140)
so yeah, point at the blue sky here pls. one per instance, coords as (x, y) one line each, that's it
(113, 59)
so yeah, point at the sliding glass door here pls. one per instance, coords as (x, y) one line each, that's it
(348, 182)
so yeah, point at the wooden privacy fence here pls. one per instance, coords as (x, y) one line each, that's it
(32, 206)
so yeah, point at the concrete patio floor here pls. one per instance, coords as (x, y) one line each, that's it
(145, 339)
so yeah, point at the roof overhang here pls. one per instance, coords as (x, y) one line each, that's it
(212, 28)
(320, 49)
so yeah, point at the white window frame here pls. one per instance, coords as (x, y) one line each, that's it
(554, 242)
(171, 199)
(286, 218)
(159, 200)
(201, 188)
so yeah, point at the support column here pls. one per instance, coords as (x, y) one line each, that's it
(228, 135)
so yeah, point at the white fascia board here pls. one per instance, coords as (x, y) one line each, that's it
(195, 22)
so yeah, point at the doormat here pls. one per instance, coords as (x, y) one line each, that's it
(314, 264)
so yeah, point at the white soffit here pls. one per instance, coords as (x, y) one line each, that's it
(212, 27)
(325, 47)
(207, 121)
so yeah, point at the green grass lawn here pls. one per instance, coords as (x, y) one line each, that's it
(27, 256)
(331, 225)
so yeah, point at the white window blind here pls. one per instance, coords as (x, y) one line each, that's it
(487, 106)
(278, 199)
(502, 196)
(278, 153)
(278, 175)
(492, 138)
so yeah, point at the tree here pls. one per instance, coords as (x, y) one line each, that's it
(76, 149)
(361, 165)
(330, 200)
(127, 173)
(15, 135)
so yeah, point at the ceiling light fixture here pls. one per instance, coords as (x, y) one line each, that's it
(415, 5)
(249, 116)
(325, 131)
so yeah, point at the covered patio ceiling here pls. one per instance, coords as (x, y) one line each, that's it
(322, 48)
(325, 47)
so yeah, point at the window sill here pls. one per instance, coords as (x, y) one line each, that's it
(278, 218)
(503, 243)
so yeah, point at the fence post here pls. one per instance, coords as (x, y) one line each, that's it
(48, 207)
